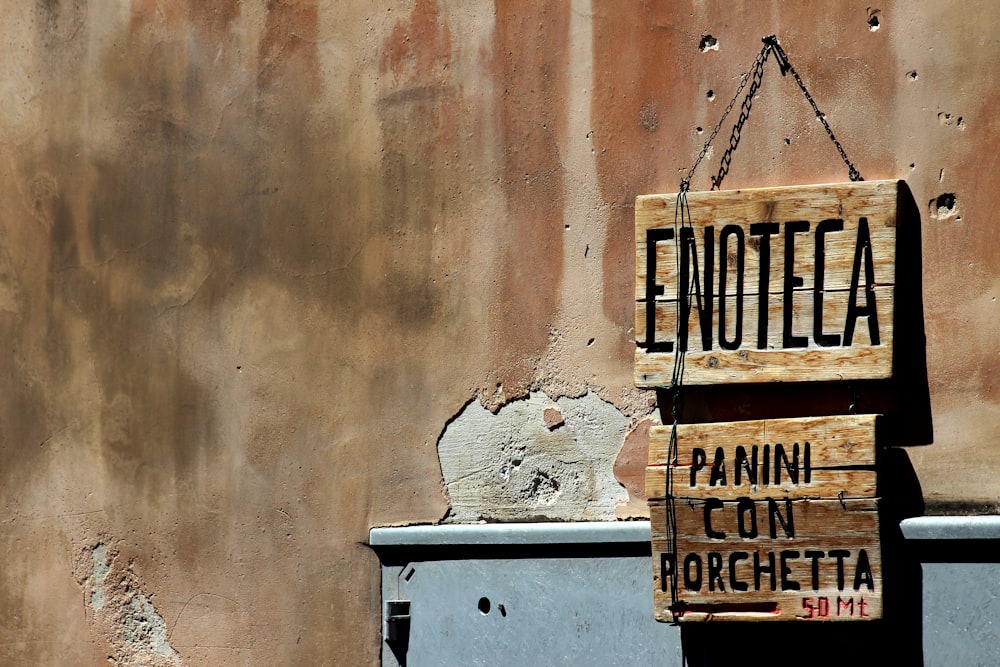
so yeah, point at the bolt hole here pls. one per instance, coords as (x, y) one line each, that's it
(711, 95)
(788, 141)
(503, 610)
(873, 22)
(484, 605)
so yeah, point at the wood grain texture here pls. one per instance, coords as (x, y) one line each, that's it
(791, 274)
(823, 503)
(840, 462)
(834, 532)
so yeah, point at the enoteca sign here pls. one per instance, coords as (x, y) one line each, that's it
(767, 519)
(775, 284)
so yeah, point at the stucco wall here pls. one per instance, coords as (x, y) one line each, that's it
(256, 259)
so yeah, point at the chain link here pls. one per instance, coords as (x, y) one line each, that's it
(755, 75)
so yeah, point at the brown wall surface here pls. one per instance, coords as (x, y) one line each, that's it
(256, 258)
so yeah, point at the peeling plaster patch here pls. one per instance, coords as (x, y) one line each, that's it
(122, 612)
(510, 466)
(145, 630)
(101, 569)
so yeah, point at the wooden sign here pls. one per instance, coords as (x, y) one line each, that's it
(768, 520)
(773, 284)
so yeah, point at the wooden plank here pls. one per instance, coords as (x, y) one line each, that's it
(825, 484)
(838, 440)
(802, 325)
(843, 363)
(814, 457)
(850, 227)
(826, 554)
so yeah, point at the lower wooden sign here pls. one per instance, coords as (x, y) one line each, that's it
(757, 552)
(768, 560)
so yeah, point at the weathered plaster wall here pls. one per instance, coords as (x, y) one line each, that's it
(257, 258)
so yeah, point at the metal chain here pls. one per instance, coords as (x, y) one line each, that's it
(682, 217)
(758, 63)
(755, 74)
(786, 66)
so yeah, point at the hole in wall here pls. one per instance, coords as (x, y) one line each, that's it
(873, 20)
(710, 95)
(708, 43)
(943, 206)
(484, 606)
(912, 75)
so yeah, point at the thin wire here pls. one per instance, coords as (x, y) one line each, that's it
(682, 219)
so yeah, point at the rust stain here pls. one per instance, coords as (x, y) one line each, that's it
(288, 45)
(530, 52)
(423, 42)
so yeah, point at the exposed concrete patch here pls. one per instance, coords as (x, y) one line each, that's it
(99, 556)
(510, 466)
(121, 612)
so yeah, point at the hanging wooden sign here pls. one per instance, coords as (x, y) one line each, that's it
(773, 284)
(766, 520)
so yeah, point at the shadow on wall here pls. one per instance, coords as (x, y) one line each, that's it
(904, 402)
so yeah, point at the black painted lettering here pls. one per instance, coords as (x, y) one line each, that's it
(774, 518)
(698, 461)
(786, 583)
(692, 583)
(840, 555)
(767, 463)
(746, 506)
(715, 571)
(765, 230)
(701, 289)
(742, 465)
(791, 282)
(727, 231)
(666, 569)
(718, 476)
(863, 572)
(653, 290)
(759, 569)
(735, 558)
(822, 339)
(807, 464)
(710, 505)
(792, 468)
(815, 555)
(862, 249)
